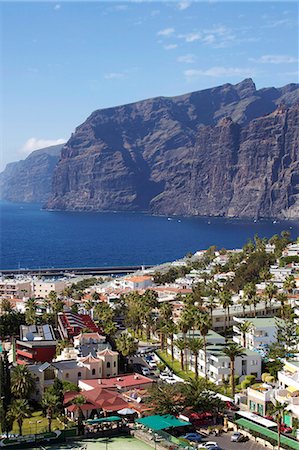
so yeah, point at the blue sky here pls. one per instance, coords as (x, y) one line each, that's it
(63, 60)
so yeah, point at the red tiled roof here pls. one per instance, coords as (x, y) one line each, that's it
(124, 381)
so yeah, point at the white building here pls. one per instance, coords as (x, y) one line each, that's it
(136, 282)
(41, 289)
(218, 364)
(13, 288)
(262, 333)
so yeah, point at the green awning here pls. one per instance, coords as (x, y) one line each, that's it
(162, 422)
(103, 420)
(248, 425)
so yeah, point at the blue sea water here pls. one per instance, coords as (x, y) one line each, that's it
(34, 238)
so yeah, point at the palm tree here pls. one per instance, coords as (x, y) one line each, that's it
(61, 345)
(244, 327)
(203, 323)
(22, 382)
(50, 403)
(233, 351)
(79, 401)
(88, 305)
(270, 292)
(289, 284)
(255, 300)
(20, 410)
(249, 293)
(195, 345)
(126, 345)
(171, 330)
(226, 303)
(211, 304)
(278, 412)
(181, 345)
(30, 312)
(282, 298)
(184, 326)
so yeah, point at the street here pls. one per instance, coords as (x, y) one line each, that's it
(225, 443)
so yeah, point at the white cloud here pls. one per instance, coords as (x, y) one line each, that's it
(170, 46)
(183, 5)
(155, 12)
(120, 7)
(191, 37)
(57, 7)
(114, 75)
(166, 32)
(188, 59)
(279, 23)
(193, 74)
(275, 59)
(34, 144)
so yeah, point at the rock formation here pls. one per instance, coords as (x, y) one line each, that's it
(30, 180)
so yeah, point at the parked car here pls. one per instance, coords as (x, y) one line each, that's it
(285, 429)
(152, 364)
(231, 406)
(145, 371)
(192, 437)
(210, 444)
(237, 437)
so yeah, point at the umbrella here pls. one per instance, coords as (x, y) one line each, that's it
(126, 411)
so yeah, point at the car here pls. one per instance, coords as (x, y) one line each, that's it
(210, 444)
(237, 437)
(192, 437)
(231, 406)
(164, 375)
(285, 429)
(145, 371)
(152, 365)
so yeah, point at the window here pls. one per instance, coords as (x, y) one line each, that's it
(79, 374)
(108, 364)
(66, 375)
(93, 371)
(114, 364)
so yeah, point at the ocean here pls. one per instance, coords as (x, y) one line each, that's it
(34, 238)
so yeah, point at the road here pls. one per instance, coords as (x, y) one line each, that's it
(225, 443)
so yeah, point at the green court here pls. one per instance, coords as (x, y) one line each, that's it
(113, 443)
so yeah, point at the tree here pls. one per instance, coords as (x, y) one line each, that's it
(56, 305)
(270, 292)
(126, 345)
(61, 345)
(30, 312)
(195, 345)
(289, 284)
(88, 305)
(20, 410)
(201, 396)
(244, 328)
(10, 324)
(50, 403)
(203, 323)
(79, 401)
(282, 298)
(171, 329)
(233, 351)
(58, 389)
(22, 382)
(211, 304)
(226, 303)
(166, 399)
(181, 346)
(6, 306)
(278, 412)
(249, 293)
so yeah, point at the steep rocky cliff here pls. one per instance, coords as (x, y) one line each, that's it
(231, 150)
(30, 180)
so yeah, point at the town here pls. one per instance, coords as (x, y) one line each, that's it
(202, 352)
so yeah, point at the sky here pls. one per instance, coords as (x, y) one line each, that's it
(60, 61)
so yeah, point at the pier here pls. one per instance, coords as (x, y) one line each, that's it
(61, 271)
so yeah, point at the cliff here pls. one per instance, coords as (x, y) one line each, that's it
(30, 180)
(227, 151)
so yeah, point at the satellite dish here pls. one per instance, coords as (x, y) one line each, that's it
(30, 336)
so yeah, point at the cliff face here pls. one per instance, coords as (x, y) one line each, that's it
(30, 180)
(229, 150)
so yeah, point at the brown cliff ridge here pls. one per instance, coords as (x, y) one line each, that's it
(227, 151)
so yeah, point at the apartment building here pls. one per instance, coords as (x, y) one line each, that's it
(13, 288)
(262, 333)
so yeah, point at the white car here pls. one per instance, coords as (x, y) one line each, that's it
(145, 371)
(210, 444)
